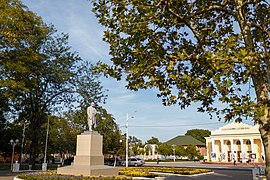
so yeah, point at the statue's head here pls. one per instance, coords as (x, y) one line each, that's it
(92, 104)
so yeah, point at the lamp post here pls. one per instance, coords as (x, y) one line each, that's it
(23, 137)
(13, 144)
(44, 164)
(173, 152)
(127, 140)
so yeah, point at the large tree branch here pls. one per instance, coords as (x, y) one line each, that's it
(55, 95)
(267, 33)
(189, 25)
(214, 7)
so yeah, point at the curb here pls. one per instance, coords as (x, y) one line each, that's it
(16, 178)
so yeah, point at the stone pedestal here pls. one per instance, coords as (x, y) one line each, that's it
(89, 160)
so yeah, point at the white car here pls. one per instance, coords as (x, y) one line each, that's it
(134, 162)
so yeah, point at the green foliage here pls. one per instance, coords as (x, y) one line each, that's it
(107, 127)
(153, 140)
(20, 28)
(186, 171)
(133, 172)
(62, 135)
(199, 134)
(194, 51)
(180, 151)
(135, 146)
(52, 175)
(191, 152)
(4, 108)
(38, 72)
(199, 51)
(165, 149)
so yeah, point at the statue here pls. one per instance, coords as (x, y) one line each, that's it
(91, 116)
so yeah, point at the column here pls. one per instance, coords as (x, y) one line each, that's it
(243, 151)
(223, 156)
(214, 150)
(208, 149)
(253, 151)
(252, 146)
(232, 150)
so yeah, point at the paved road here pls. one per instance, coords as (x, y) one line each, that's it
(218, 175)
(220, 172)
(7, 175)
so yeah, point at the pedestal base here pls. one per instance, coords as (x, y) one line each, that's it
(88, 170)
(89, 159)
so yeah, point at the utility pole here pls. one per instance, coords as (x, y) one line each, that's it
(23, 137)
(127, 140)
(44, 164)
(13, 144)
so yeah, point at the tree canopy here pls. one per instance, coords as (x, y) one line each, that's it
(194, 51)
(199, 134)
(39, 74)
(153, 140)
(107, 127)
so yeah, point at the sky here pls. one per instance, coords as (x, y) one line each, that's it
(147, 116)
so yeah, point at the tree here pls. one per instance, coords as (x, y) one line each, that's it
(62, 136)
(153, 140)
(194, 51)
(19, 27)
(191, 152)
(38, 72)
(165, 149)
(180, 151)
(136, 146)
(199, 134)
(4, 108)
(106, 126)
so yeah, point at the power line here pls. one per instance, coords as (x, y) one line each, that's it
(169, 126)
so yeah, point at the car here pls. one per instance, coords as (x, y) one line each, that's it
(112, 161)
(134, 162)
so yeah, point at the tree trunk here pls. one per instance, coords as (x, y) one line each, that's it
(264, 120)
(33, 151)
(265, 135)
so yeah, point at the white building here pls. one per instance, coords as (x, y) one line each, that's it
(237, 141)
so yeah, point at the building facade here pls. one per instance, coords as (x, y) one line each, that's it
(235, 141)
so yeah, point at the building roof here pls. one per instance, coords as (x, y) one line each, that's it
(185, 141)
(236, 129)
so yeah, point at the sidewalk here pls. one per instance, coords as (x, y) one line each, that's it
(192, 164)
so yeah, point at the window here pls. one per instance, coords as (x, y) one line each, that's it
(228, 142)
(238, 142)
(248, 141)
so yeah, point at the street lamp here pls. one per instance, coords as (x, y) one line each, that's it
(173, 152)
(23, 137)
(44, 164)
(127, 141)
(13, 144)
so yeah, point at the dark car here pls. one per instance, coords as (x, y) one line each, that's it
(111, 161)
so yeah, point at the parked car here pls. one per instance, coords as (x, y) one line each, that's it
(134, 162)
(111, 161)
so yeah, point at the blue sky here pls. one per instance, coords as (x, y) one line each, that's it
(151, 117)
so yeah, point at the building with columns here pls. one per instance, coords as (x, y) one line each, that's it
(235, 141)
